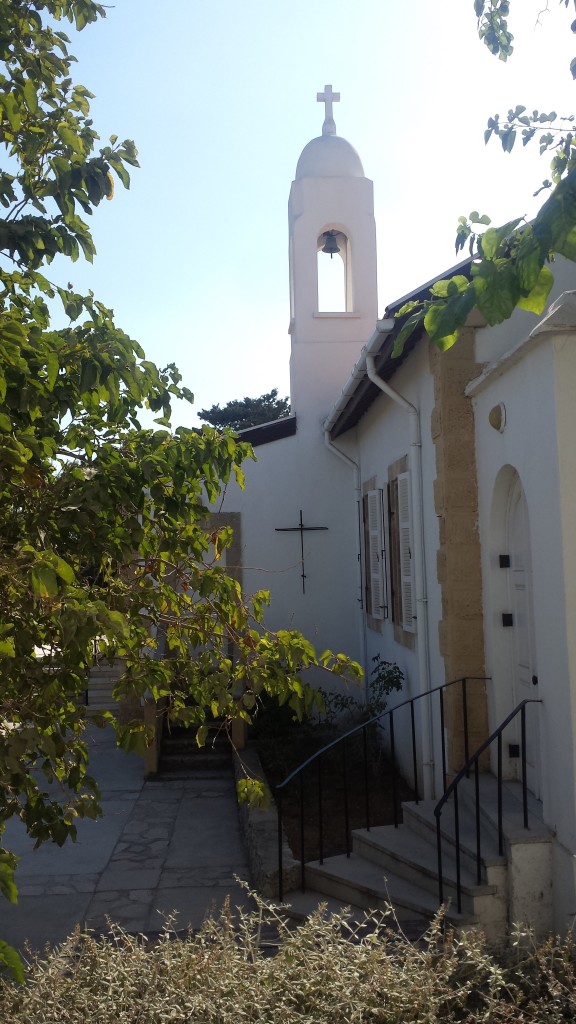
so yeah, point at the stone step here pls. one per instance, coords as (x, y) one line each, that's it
(512, 810)
(177, 775)
(99, 686)
(193, 763)
(182, 757)
(411, 856)
(301, 905)
(357, 882)
(102, 670)
(420, 818)
(180, 743)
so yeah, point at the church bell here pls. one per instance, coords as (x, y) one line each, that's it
(330, 244)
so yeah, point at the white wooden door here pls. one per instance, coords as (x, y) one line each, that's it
(524, 670)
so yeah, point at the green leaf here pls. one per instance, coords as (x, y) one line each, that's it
(450, 286)
(52, 367)
(11, 330)
(7, 885)
(529, 260)
(254, 793)
(12, 962)
(44, 582)
(30, 95)
(119, 623)
(536, 300)
(11, 108)
(64, 571)
(566, 246)
(118, 167)
(201, 735)
(406, 332)
(498, 289)
(493, 237)
(8, 648)
(70, 137)
(444, 320)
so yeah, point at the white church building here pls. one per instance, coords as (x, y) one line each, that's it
(423, 508)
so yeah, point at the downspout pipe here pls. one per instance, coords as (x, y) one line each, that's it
(422, 638)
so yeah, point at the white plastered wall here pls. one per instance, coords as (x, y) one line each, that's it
(383, 437)
(536, 389)
(293, 474)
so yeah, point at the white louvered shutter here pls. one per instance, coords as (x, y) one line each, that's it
(375, 567)
(406, 553)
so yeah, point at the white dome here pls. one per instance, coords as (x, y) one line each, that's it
(329, 156)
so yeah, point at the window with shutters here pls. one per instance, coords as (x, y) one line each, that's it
(374, 555)
(401, 553)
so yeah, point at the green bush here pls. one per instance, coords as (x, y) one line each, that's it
(345, 710)
(324, 972)
(284, 741)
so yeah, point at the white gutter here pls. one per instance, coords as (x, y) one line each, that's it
(383, 328)
(422, 639)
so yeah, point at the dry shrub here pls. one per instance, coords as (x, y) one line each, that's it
(259, 969)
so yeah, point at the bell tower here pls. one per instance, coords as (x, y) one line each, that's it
(333, 291)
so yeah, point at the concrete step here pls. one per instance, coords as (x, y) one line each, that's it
(411, 856)
(180, 743)
(360, 883)
(100, 684)
(200, 762)
(420, 818)
(398, 866)
(182, 757)
(179, 774)
(512, 810)
(301, 905)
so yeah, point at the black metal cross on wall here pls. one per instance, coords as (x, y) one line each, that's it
(301, 529)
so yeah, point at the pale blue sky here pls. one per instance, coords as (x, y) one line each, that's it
(220, 98)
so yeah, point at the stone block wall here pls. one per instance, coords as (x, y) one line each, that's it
(461, 632)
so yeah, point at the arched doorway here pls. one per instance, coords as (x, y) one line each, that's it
(522, 658)
(511, 649)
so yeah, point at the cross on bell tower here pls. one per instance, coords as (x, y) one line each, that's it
(328, 98)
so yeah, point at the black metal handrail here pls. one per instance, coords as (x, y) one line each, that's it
(472, 763)
(342, 742)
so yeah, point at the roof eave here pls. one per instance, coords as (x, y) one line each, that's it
(360, 392)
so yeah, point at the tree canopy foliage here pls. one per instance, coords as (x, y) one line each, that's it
(510, 266)
(241, 413)
(106, 546)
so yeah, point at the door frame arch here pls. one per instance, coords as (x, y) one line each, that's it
(510, 587)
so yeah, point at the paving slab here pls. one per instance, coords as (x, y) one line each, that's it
(41, 920)
(161, 848)
(190, 904)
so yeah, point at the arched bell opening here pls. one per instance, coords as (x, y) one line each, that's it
(334, 276)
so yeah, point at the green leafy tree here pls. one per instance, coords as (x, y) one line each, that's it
(247, 412)
(105, 538)
(510, 268)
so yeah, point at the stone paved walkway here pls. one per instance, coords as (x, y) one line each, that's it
(161, 847)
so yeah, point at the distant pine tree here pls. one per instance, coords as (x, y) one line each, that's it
(247, 412)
